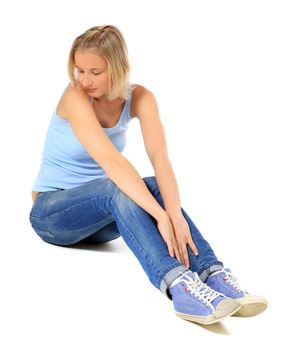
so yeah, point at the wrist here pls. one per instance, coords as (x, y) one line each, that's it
(159, 214)
(175, 215)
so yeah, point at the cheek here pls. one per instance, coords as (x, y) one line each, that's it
(103, 80)
(104, 77)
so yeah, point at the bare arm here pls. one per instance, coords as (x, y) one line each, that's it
(156, 147)
(87, 129)
(125, 176)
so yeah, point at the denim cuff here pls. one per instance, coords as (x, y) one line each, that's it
(205, 274)
(169, 277)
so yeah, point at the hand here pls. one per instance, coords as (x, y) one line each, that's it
(183, 237)
(165, 228)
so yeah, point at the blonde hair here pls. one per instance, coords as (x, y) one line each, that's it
(109, 43)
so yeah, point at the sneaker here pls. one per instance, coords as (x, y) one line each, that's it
(193, 300)
(225, 283)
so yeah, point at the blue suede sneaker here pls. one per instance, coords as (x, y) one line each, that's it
(193, 300)
(225, 283)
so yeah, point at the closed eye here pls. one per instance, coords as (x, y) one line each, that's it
(81, 72)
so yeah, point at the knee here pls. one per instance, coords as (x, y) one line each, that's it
(122, 200)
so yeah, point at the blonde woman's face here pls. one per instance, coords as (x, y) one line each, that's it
(92, 72)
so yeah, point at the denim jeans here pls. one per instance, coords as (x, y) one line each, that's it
(100, 211)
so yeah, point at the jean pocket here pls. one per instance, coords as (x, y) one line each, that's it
(43, 203)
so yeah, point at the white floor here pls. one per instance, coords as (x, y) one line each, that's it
(93, 296)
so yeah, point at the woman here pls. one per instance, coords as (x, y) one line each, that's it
(86, 189)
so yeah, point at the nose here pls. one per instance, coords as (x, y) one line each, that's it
(86, 82)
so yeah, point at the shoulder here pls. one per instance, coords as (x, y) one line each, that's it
(140, 92)
(74, 92)
(71, 95)
(141, 98)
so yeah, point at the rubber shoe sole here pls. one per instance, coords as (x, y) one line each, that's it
(225, 308)
(251, 305)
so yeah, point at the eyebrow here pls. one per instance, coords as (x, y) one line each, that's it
(91, 68)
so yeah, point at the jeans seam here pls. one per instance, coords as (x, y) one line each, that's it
(64, 210)
(147, 255)
(55, 235)
(40, 229)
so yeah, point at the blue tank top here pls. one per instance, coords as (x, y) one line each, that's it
(65, 163)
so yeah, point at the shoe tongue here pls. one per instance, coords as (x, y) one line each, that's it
(229, 274)
(225, 272)
(188, 276)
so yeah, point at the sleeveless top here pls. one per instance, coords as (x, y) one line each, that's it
(65, 163)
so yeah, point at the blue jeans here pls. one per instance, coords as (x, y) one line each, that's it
(99, 211)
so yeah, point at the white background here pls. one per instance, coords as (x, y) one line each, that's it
(230, 78)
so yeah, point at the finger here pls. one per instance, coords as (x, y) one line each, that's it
(177, 252)
(185, 255)
(178, 256)
(193, 247)
(182, 255)
(170, 248)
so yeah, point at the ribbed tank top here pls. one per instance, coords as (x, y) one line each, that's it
(65, 163)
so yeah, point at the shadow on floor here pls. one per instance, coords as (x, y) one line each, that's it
(218, 328)
(115, 246)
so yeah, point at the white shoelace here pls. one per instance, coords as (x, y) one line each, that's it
(231, 279)
(201, 290)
